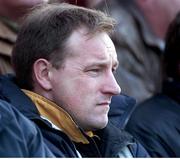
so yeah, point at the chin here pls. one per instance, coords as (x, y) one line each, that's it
(95, 124)
(101, 125)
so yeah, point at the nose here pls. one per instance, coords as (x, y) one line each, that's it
(111, 86)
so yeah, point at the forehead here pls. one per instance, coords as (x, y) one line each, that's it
(99, 45)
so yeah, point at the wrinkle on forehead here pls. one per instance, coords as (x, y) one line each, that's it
(99, 45)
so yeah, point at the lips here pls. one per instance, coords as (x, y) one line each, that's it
(104, 107)
(104, 103)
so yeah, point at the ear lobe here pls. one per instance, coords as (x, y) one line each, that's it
(41, 73)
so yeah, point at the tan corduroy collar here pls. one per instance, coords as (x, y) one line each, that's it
(58, 117)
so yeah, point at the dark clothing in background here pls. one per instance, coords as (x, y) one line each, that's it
(138, 51)
(110, 142)
(156, 122)
(19, 137)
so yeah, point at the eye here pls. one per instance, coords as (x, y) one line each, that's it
(94, 72)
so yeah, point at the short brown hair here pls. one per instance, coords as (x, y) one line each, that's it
(45, 31)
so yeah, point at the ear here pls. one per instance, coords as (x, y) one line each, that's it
(41, 69)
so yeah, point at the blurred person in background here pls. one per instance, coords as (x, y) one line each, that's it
(11, 12)
(155, 122)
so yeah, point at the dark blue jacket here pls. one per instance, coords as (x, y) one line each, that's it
(121, 108)
(111, 138)
(156, 122)
(19, 137)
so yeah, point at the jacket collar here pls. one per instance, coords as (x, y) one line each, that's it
(58, 117)
(113, 140)
(10, 92)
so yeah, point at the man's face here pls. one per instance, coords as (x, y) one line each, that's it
(84, 85)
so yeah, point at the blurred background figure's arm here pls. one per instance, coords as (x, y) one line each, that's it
(11, 13)
(15, 9)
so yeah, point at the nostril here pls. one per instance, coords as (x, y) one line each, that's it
(117, 86)
(118, 90)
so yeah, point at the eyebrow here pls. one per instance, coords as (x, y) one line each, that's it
(104, 63)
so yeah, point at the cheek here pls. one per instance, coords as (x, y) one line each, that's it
(80, 85)
(81, 91)
(73, 89)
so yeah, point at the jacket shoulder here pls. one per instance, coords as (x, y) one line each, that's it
(17, 129)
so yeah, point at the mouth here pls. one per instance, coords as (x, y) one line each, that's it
(104, 103)
(104, 107)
